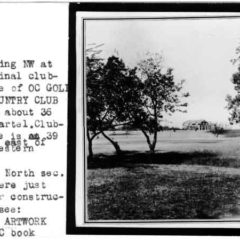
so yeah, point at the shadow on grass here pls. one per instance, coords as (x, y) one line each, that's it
(131, 158)
(165, 195)
(143, 192)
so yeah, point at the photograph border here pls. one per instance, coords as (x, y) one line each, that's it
(71, 162)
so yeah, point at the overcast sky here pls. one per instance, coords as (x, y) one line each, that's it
(199, 51)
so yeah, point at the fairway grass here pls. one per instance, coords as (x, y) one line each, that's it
(192, 175)
(163, 192)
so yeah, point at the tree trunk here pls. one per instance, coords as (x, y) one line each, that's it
(152, 149)
(115, 144)
(90, 150)
(153, 144)
(90, 141)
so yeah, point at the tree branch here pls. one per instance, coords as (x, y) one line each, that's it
(94, 135)
(147, 137)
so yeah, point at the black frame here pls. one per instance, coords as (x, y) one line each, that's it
(71, 155)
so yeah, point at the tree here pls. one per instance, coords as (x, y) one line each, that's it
(120, 92)
(159, 94)
(111, 92)
(95, 103)
(217, 130)
(234, 102)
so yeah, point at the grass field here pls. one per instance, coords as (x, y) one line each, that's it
(192, 175)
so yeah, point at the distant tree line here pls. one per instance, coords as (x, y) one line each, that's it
(134, 98)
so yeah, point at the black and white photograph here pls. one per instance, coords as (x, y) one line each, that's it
(158, 118)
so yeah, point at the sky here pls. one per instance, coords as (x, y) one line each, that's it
(199, 51)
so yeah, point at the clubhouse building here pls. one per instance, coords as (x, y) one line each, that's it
(198, 125)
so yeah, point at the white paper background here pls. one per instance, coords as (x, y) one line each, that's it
(40, 32)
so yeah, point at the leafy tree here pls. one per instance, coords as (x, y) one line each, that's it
(95, 103)
(159, 94)
(121, 94)
(217, 130)
(111, 92)
(234, 102)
